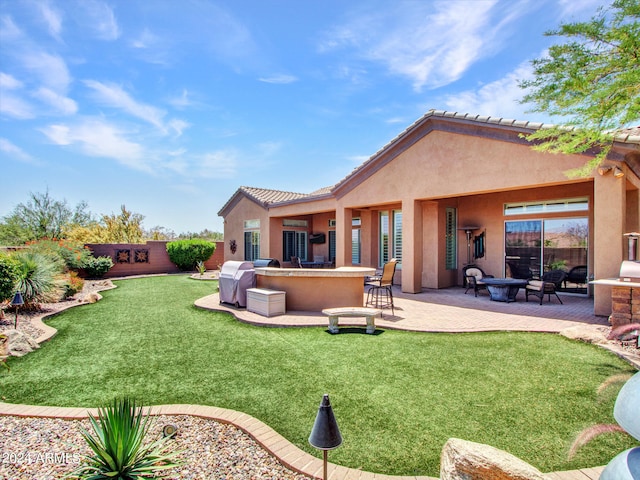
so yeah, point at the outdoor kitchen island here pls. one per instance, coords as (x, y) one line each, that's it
(314, 289)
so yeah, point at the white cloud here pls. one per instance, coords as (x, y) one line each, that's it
(145, 40)
(8, 29)
(9, 82)
(220, 164)
(101, 19)
(97, 138)
(497, 99)
(114, 96)
(14, 151)
(178, 126)
(62, 104)
(16, 107)
(52, 18)
(51, 70)
(181, 101)
(281, 79)
(430, 43)
(571, 7)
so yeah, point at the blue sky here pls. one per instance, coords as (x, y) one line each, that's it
(169, 106)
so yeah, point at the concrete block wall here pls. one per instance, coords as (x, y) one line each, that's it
(145, 259)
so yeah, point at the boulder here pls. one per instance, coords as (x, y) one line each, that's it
(19, 343)
(587, 333)
(464, 460)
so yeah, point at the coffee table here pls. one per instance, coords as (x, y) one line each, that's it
(504, 289)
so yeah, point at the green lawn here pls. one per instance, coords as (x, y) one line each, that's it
(397, 396)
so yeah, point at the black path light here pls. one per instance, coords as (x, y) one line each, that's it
(325, 434)
(16, 302)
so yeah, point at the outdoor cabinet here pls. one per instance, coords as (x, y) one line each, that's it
(267, 303)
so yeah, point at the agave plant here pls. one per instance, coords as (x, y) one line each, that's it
(38, 277)
(118, 446)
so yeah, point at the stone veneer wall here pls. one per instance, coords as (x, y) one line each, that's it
(625, 306)
(146, 258)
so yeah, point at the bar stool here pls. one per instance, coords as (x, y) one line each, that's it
(379, 294)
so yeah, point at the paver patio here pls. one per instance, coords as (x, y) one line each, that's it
(446, 310)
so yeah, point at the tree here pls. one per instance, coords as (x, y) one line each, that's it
(205, 234)
(41, 217)
(125, 227)
(593, 80)
(159, 233)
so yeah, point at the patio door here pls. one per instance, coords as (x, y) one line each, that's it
(533, 247)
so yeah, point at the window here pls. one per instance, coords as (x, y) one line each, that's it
(384, 238)
(355, 246)
(251, 246)
(294, 244)
(390, 241)
(288, 222)
(562, 205)
(332, 245)
(397, 236)
(251, 240)
(451, 244)
(533, 247)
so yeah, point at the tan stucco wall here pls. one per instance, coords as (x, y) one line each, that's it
(245, 209)
(474, 174)
(446, 164)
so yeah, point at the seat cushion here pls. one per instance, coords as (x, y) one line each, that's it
(474, 272)
(535, 285)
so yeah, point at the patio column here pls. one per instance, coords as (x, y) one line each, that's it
(411, 246)
(344, 219)
(609, 215)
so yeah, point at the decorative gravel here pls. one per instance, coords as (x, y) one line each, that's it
(47, 449)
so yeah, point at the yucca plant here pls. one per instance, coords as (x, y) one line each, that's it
(118, 446)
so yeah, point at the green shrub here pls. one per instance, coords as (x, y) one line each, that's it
(96, 267)
(118, 447)
(9, 274)
(74, 254)
(38, 278)
(187, 253)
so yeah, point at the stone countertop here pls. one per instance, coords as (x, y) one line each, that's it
(315, 272)
(615, 282)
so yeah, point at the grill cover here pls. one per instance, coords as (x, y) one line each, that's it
(629, 271)
(235, 278)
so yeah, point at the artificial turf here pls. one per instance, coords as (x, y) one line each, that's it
(397, 396)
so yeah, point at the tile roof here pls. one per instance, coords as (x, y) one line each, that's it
(629, 135)
(268, 197)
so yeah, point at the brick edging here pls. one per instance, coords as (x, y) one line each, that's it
(284, 451)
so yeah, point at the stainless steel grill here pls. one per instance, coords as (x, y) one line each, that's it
(235, 278)
(629, 271)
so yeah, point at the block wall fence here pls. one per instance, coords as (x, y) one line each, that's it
(146, 258)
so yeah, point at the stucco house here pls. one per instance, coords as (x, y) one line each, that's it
(451, 190)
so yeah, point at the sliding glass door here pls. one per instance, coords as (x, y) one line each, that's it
(533, 247)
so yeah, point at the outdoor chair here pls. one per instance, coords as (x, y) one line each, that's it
(540, 288)
(577, 275)
(474, 276)
(379, 294)
(295, 262)
(556, 277)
